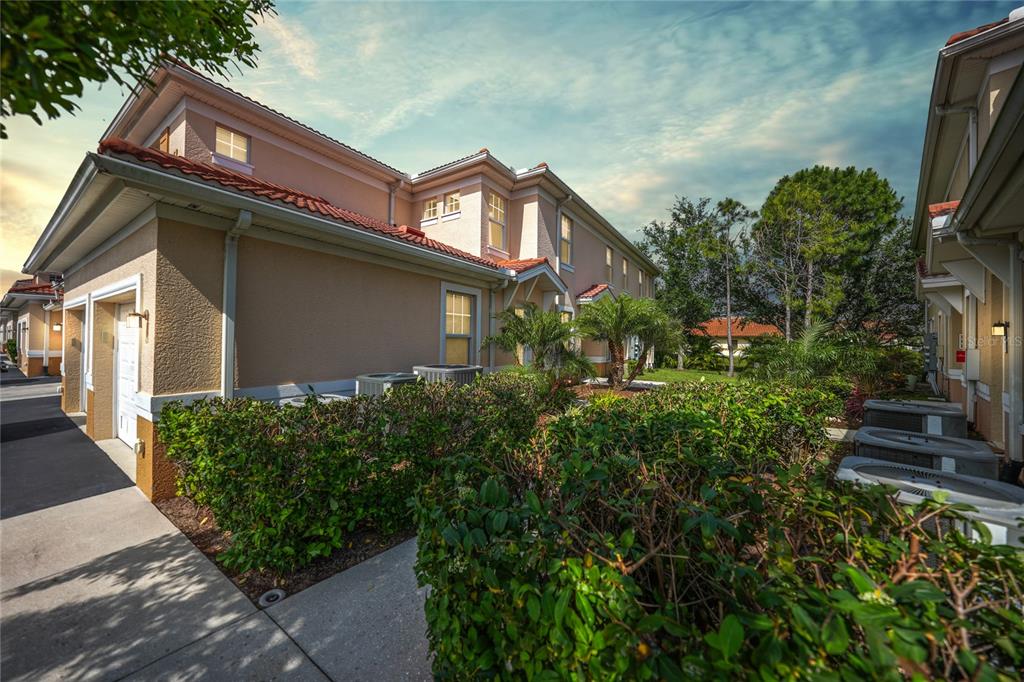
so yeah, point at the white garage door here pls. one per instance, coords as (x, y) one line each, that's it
(127, 374)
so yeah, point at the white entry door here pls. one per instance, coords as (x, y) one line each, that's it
(127, 375)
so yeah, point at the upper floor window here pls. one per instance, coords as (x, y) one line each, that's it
(608, 264)
(565, 241)
(640, 281)
(496, 221)
(452, 202)
(232, 145)
(164, 142)
(430, 207)
(625, 273)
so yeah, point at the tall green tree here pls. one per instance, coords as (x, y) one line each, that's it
(810, 249)
(51, 49)
(697, 251)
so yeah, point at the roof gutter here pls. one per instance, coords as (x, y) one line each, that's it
(181, 185)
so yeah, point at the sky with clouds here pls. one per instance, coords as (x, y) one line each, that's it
(630, 103)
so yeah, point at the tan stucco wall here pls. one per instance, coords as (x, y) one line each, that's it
(136, 255)
(188, 301)
(290, 169)
(305, 316)
(155, 475)
(101, 398)
(71, 395)
(462, 232)
(547, 232)
(35, 316)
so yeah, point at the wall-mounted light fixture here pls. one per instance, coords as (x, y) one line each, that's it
(999, 328)
(134, 320)
(57, 326)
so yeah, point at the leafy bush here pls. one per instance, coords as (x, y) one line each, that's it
(11, 348)
(695, 533)
(289, 483)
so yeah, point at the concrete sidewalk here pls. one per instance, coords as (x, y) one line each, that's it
(103, 587)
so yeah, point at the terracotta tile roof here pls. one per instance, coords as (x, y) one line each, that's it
(740, 328)
(593, 291)
(30, 286)
(945, 208)
(522, 265)
(273, 192)
(964, 35)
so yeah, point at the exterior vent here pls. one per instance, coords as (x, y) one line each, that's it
(300, 400)
(1000, 506)
(941, 419)
(460, 374)
(381, 382)
(942, 453)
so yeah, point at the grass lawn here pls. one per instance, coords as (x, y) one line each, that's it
(677, 375)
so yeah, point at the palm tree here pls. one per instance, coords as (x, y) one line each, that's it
(615, 320)
(550, 340)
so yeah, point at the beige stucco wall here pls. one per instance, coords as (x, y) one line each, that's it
(189, 298)
(136, 255)
(71, 395)
(283, 166)
(462, 232)
(306, 316)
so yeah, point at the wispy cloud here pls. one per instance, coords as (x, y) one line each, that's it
(631, 104)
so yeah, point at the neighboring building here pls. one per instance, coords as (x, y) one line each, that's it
(30, 314)
(969, 224)
(213, 246)
(742, 332)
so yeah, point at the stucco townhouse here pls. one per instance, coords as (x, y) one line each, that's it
(969, 224)
(30, 315)
(213, 246)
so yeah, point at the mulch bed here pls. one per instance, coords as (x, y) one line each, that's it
(199, 526)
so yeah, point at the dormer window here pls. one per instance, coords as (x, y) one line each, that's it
(496, 221)
(452, 203)
(565, 242)
(430, 208)
(232, 144)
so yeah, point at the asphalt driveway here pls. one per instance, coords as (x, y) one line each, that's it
(45, 459)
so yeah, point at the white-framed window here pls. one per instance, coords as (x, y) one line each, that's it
(232, 144)
(625, 273)
(459, 327)
(452, 202)
(565, 240)
(430, 208)
(608, 264)
(496, 231)
(640, 282)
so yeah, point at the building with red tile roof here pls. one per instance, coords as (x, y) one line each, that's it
(967, 227)
(208, 234)
(28, 312)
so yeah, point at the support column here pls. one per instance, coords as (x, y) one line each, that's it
(227, 337)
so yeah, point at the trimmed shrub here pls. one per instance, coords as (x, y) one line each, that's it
(696, 533)
(289, 483)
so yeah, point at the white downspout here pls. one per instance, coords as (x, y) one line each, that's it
(46, 340)
(227, 337)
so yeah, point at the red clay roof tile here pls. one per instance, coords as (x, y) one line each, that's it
(964, 35)
(945, 208)
(593, 291)
(522, 265)
(270, 191)
(740, 328)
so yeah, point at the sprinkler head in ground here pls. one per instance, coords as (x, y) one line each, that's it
(270, 597)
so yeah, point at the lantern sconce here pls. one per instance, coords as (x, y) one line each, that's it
(57, 326)
(134, 320)
(999, 328)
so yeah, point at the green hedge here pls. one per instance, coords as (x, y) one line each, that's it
(289, 483)
(696, 533)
